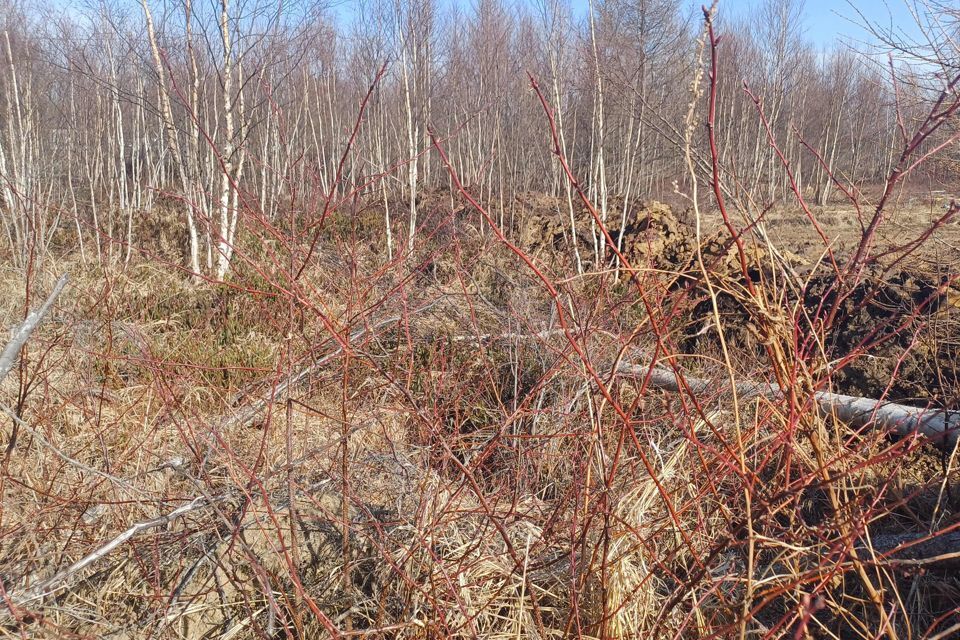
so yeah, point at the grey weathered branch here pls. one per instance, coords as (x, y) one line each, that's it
(21, 334)
(73, 462)
(940, 427)
(250, 412)
(51, 584)
(940, 550)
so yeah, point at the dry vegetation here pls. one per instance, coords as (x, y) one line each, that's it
(357, 369)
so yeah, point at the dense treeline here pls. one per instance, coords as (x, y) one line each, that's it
(244, 106)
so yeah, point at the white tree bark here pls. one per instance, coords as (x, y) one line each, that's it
(227, 216)
(172, 139)
(20, 335)
(940, 427)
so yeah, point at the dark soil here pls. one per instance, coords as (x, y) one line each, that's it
(897, 337)
(894, 334)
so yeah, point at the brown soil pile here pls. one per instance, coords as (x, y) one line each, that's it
(903, 331)
(651, 236)
(909, 330)
(654, 237)
(651, 233)
(904, 327)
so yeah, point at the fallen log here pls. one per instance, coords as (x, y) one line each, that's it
(937, 550)
(941, 427)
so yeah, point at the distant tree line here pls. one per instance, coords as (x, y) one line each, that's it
(230, 109)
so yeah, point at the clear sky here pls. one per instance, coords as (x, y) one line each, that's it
(825, 21)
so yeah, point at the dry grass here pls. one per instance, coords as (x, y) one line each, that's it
(457, 472)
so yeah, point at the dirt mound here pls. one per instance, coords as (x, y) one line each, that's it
(651, 237)
(902, 328)
(907, 327)
(544, 234)
(654, 237)
(650, 233)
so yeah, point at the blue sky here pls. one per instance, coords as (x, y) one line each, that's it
(825, 21)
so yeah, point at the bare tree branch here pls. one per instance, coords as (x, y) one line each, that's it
(22, 333)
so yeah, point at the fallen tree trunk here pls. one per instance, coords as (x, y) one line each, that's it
(939, 426)
(939, 550)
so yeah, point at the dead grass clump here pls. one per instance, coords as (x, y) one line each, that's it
(641, 536)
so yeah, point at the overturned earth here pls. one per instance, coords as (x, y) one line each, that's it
(891, 333)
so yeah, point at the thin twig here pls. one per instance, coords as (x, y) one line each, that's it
(48, 586)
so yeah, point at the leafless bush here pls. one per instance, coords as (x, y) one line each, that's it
(361, 396)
